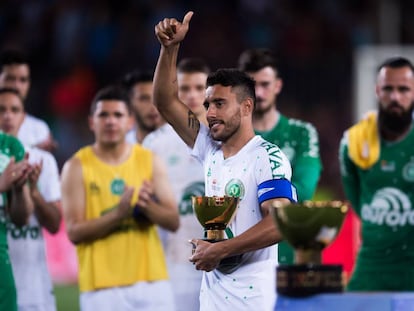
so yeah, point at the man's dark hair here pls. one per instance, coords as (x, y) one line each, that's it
(111, 92)
(396, 62)
(12, 57)
(134, 77)
(5, 90)
(238, 80)
(193, 65)
(253, 60)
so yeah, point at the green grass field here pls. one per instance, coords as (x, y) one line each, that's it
(67, 297)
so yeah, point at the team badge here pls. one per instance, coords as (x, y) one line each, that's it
(117, 186)
(408, 171)
(235, 188)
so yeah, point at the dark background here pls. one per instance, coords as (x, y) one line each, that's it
(76, 47)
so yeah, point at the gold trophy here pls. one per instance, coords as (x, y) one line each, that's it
(215, 214)
(309, 227)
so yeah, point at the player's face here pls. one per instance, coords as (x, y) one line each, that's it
(11, 113)
(223, 113)
(145, 112)
(16, 76)
(192, 91)
(268, 87)
(395, 90)
(110, 122)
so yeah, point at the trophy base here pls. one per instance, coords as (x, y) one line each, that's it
(229, 264)
(308, 279)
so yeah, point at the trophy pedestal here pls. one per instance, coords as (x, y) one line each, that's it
(229, 264)
(308, 279)
(309, 227)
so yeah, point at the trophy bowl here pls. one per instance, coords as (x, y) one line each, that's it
(309, 227)
(215, 213)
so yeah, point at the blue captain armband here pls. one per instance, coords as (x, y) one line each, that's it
(276, 188)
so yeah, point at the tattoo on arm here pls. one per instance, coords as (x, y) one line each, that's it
(193, 122)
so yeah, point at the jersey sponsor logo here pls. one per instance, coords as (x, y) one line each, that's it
(117, 186)
(194, 189)
(390, 207)
(235, 188)
(408, 171)
(25, 232)
(215, 186)
(387, 166)
(94, 188)
(275, 158)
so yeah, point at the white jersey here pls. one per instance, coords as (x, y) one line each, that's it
(252, 285)
(131, 136)
(187, 179)
(27, 246)
(33, 131)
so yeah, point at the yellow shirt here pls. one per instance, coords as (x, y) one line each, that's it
(133, 252)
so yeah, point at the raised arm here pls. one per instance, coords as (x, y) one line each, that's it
(170, 33)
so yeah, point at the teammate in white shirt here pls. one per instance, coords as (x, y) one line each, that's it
(15, 73)
(26, 244)
(187, 179)
(147, 118)
(236, 163)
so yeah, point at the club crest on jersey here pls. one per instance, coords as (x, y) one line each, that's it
(235, 188)
(408, 171)
(117, 186)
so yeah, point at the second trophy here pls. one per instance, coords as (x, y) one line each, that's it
(309, 227)
(215, 213)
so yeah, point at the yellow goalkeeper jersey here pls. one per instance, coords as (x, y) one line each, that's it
(133, 252)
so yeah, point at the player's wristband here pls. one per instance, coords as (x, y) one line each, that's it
(276, 188)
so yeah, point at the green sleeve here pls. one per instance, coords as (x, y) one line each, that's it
(17, 149)
(349, 176)
(305, 177)
(306, 165)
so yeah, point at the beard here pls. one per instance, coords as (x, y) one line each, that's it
(395, 122)
(144, 124)
(261, 110)
(230, 129)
